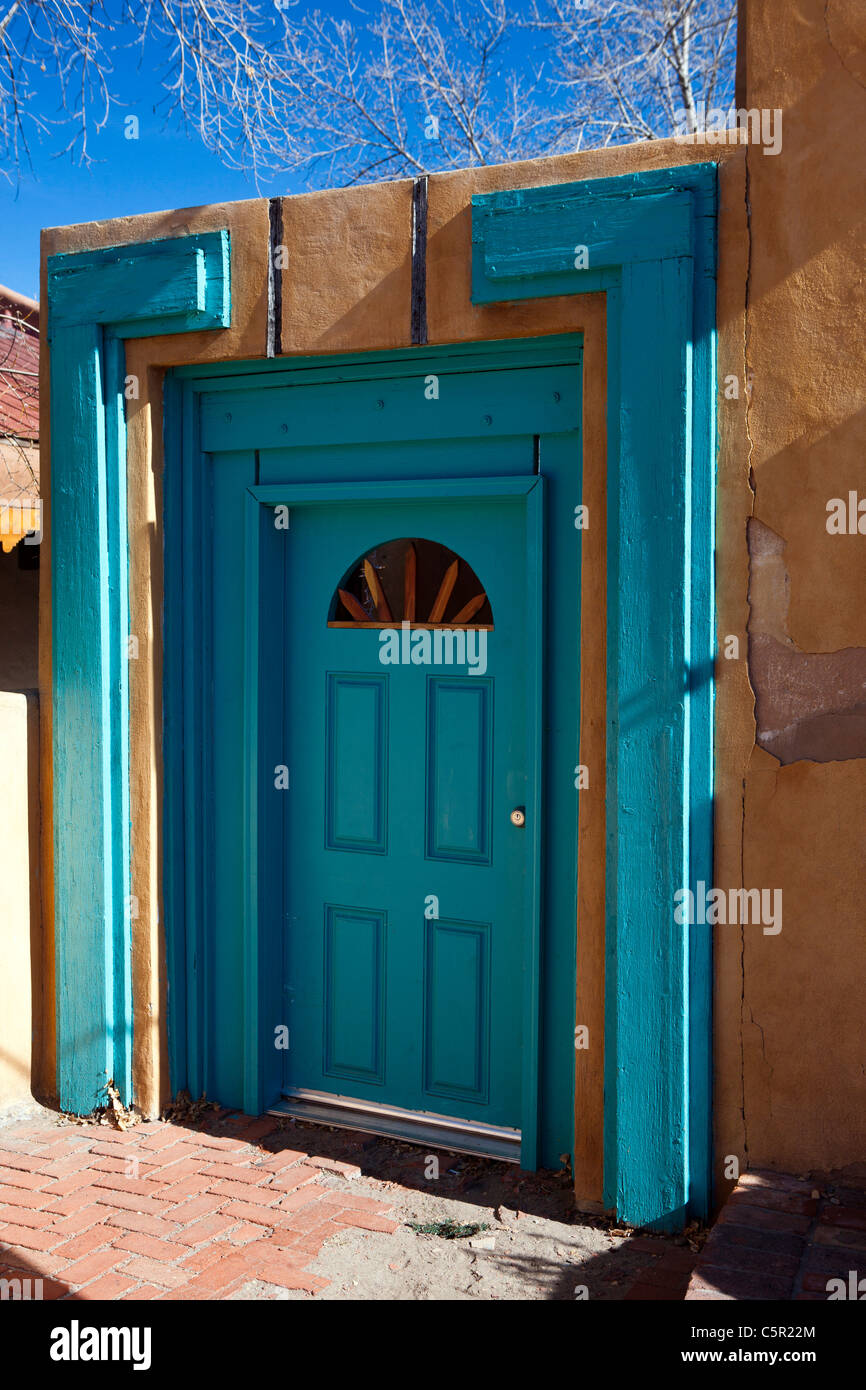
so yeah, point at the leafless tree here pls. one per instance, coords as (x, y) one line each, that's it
(63, 40)
(423, 86)
(416, 85)
(398, 87)
(638, 69)
(218, 63)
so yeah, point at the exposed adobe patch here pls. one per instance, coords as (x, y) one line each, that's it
(808, 705)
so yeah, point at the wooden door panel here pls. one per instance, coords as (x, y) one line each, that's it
(406, 882)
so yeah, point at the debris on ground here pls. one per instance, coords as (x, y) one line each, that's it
(115, 1113)
(184, 1110)
(446, 1230)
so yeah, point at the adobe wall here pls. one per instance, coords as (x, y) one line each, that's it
(790, 790)
(791, 745)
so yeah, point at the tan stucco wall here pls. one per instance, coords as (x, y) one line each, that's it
(19, 916)
(787, 1024)
(790, 1038)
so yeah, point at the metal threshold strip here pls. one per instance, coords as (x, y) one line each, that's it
(439, 1131)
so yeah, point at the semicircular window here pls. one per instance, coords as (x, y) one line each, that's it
(410, 580)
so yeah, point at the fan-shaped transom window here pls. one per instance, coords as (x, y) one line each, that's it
(410, 580)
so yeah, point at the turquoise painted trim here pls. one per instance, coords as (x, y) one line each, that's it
(532, 237)
(301, 494)
(96, 299)
(196, 629)
(173, 749)
(650, 240)
(532, 1080)
(447, 358)
(145, 289)
(560, 463)
(234, 420)
(120, 655)
(92, 942)
(252, 1080)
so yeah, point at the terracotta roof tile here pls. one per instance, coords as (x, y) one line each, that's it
(19, 367)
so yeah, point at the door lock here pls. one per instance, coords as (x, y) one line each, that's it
(518, 816)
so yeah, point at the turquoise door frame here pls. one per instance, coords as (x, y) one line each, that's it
(648, 241)
(96, 299)
(357, 424)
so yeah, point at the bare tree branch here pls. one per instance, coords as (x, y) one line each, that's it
(622, 63)
(397, 88)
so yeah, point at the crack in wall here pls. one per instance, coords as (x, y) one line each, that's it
(747, 397)
(743, 983)
(760, 1029)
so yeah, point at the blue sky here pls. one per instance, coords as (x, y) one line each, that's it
(165, 168)
(161, 170)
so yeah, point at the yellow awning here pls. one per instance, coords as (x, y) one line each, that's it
(17, 520)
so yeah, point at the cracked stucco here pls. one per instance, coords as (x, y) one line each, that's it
(791, 719)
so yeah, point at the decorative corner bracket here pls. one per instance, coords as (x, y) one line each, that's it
(649, 241)
(96, 299)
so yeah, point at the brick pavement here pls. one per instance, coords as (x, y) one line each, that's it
(783, 1237)
(666, 1278)
(167, 1211)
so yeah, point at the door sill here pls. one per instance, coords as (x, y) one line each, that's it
(440, 1131)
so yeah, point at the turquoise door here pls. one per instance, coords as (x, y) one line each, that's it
(409, 821)
(354, 921)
